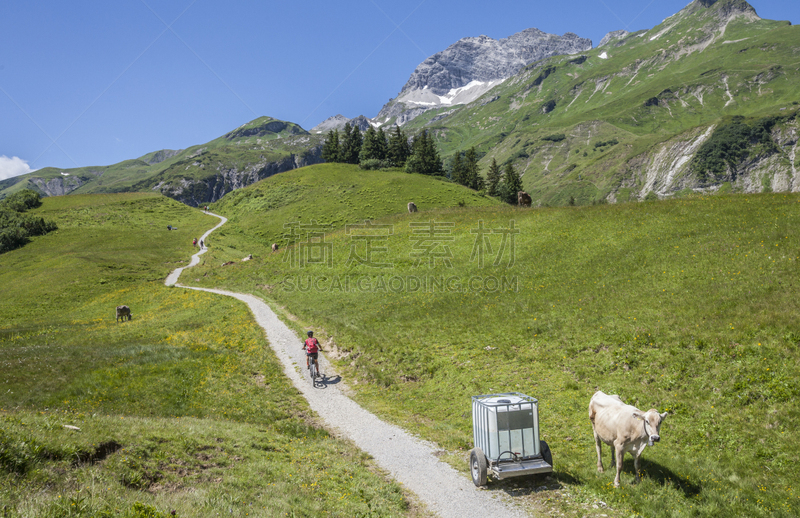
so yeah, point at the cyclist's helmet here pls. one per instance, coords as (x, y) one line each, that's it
(310, 333)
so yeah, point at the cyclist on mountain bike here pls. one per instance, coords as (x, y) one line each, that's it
(311, 346)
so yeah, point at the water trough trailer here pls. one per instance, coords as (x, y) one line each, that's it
(505, 428)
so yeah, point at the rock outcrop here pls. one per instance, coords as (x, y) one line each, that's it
(160, 156)
(611, 36)
(57, 186)
(337, 122)
(195, 192)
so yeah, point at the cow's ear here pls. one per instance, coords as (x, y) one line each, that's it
(663, 416)
(637, 415)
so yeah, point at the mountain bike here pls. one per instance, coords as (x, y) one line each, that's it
(312, 369)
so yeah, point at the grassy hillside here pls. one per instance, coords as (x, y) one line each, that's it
(182, 408)
(619, 107)
(688, 306)
(256, 149)
(331, 195)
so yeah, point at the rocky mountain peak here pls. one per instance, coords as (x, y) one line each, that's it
(611, 36)
(725, 9)
(264, 126)
(473, 65)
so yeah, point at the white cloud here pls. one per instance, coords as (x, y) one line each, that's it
(13, 166)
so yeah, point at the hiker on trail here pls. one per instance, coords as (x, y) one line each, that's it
(194, 242)
(201, 244)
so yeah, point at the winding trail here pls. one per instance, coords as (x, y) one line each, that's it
(410, 460)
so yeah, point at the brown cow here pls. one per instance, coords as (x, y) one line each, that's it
(274, 247)
(624, 427)
(123, 312)
(523, 199)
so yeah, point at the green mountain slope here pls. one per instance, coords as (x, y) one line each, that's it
(628, 118)
(330, 196)
(684, 305)
(183, 410)
(196, 175)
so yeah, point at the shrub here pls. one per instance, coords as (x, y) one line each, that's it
(372, 164)
(21, 201)
(602, 143)
(555, 137)
(16, 227)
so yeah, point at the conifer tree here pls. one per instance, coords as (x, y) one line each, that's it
(330, 150)
(352, 145)
(369, 149)
(493, 178)
(344, 143)
(424, 158)
(472, 174)
(434, 162)
(381, 145)
(513, 184)
(457, 169)
(398, 151)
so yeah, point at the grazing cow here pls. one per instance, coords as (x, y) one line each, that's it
(412, 207)
(247, 258)
(523, 199)
(274, 247)
(123, 312)
(623, 427)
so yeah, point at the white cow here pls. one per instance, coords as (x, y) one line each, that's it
(624, 427)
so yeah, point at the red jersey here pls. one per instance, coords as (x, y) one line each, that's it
(312, 345)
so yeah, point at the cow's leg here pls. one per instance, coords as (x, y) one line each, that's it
(599, 445)
(636, 466)
(620, 452)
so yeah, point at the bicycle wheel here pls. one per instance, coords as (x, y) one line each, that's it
(313, 370)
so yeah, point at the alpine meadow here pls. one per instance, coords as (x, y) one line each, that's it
(531, 215)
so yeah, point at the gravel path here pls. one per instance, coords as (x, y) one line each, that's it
(410, 460)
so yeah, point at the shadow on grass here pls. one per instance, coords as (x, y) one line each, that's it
(664, 476)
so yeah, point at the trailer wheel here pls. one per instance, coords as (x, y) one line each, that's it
(547, 455)
(477, 466)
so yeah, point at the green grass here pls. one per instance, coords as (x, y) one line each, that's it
(183, 408)
(331, 196)
(688, 306)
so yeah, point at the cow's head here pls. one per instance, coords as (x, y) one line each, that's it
(652, 424)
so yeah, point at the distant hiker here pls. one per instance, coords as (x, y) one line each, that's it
(169, 227)
(201, 244)
(194, 242)
(206, 208)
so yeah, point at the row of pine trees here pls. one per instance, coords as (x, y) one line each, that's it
(375, 150)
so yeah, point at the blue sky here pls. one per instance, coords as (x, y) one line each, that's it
(94, 82)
